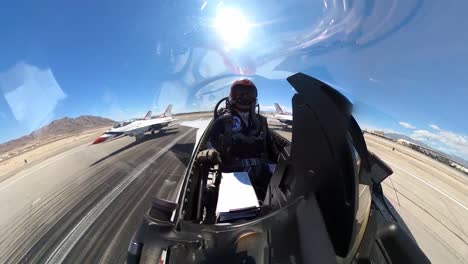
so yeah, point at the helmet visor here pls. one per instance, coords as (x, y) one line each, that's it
(244, 95)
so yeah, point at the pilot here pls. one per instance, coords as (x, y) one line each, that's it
(240, 139)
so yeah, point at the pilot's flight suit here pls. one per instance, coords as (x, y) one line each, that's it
(244, 146)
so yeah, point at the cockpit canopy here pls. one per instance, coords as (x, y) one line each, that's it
(124, 123)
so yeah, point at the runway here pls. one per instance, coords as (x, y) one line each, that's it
(431, 198)
(84, 204)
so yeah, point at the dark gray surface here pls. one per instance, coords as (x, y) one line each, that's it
(31, 234)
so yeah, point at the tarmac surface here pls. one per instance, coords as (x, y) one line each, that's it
(84, 204)
(431, 197)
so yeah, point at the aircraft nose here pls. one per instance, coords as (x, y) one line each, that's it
(100, 140)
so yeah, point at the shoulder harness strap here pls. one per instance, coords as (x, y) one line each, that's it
(226, 140)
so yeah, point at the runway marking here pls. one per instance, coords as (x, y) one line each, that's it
(50, 161)
(64, 248)
(430, 185)
(394, 189)
(106, 253)
(36, 201)
(428, 229)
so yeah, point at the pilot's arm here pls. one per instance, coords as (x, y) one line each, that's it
(216, 133)
(212, 154)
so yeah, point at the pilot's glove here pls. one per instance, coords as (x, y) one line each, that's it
(209, 156)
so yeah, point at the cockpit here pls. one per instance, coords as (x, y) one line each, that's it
(122, 124)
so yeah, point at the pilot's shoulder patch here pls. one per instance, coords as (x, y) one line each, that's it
(236, 124)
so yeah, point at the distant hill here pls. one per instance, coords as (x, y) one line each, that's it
(56, 128)
(396, 136)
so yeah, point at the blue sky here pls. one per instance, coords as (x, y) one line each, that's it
(403, 63)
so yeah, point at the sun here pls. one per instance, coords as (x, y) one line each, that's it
(232, 26)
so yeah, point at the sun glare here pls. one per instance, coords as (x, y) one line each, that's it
(232, 26)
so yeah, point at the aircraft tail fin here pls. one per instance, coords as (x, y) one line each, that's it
(278, 109)
(148, 115)
(168, 112)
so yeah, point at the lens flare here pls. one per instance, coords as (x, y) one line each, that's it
(232, 26)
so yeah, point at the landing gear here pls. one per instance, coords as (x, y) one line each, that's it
(139, 137)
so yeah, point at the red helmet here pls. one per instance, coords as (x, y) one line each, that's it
(243, 94)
